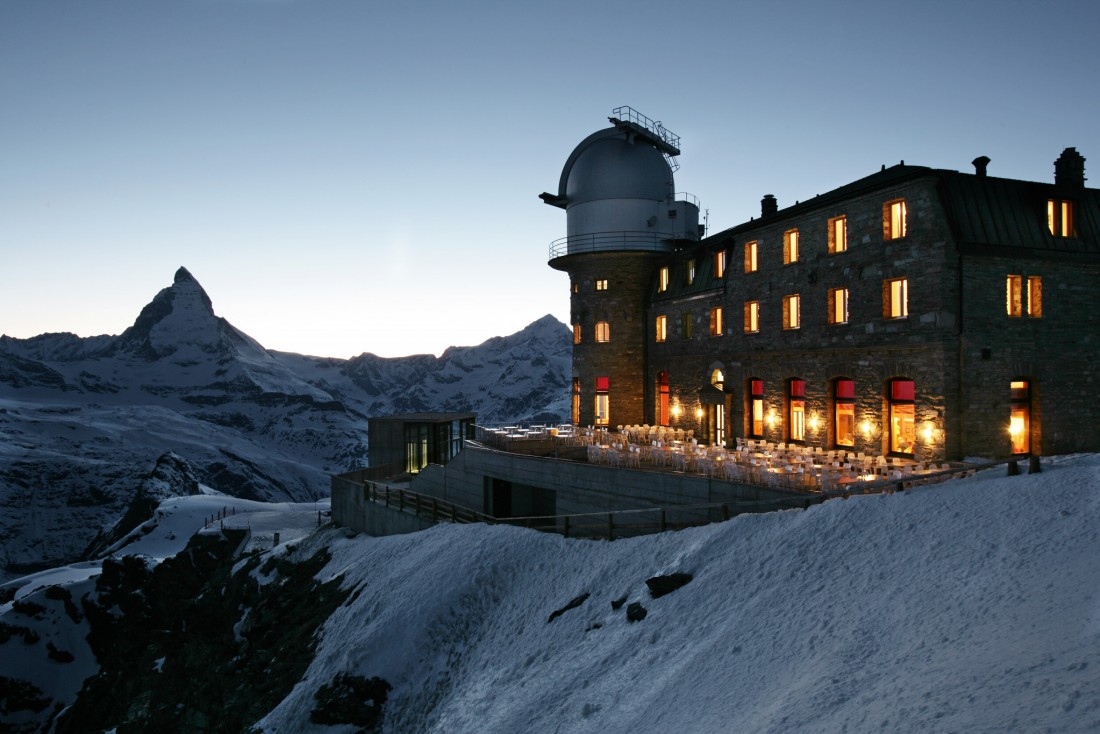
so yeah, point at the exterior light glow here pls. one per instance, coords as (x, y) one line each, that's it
(867, 427)
(676, 412)
(928, 433)
(698, 413)
(771, 418)
(814, 422)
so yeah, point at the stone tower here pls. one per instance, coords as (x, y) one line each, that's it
(622, 218)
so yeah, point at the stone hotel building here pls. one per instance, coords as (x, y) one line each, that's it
(916, 312)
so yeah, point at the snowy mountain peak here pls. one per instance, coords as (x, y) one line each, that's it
(183, 275)
(180, 314)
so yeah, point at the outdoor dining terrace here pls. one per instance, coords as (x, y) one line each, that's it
(796, 467)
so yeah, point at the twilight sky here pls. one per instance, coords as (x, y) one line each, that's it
(357, 176)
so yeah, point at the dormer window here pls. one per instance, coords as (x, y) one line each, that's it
(1060, 218)
(662, 280)
(689, 272)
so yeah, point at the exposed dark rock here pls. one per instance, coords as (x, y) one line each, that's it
(8, 631)
(227, 649)
(661, 585)
(60, 593)
(617, 603)
(172, 476)
(351, 699)
(19, 695)
(635, 612)
(61, 656)
(573, 604)
(28, 608)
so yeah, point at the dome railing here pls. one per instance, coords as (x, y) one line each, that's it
(611, 242)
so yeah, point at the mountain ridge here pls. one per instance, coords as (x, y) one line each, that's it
(96, 414)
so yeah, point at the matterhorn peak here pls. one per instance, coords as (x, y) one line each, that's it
(184, 275)
(180, 314)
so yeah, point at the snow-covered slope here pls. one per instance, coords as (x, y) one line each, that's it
(972, 606)
(84, 421)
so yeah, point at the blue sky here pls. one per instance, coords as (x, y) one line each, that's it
(347, 177)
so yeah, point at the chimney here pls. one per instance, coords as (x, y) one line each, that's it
(768, 206)
(1069, 169)
(979, 165)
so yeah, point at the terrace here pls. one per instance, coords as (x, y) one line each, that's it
(794, 467)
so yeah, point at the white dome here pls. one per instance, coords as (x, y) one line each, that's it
(612, 167)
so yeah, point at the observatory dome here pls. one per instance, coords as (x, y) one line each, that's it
(613, 167)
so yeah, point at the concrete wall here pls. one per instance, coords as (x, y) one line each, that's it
(580, 487)
(350, 509)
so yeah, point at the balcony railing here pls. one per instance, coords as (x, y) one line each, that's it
(611, 242)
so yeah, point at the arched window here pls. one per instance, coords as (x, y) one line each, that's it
(717, 378)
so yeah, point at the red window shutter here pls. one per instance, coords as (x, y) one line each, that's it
(798, 388)
(603, 384)
(756, 387)
(846, 389)
(901, 390)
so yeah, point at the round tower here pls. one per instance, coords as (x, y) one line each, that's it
(622, 218)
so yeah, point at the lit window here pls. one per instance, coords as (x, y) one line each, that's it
(603, 401)
(790, 246)
(686, 323)
(792, 317)
(1060, 218)
(720, 264)
(576, 333)
(752, 317)
(838, 305)
(895, 298)
(689, 272)
(1019, 419)
(717, 378)
(603, 331)
(716, 321)
(601, 285)
(838, 235)
(662, 280)
(576, 287)
(1025, 296)
(903, 424)
(797, 396)
(750, 257)
(662, 328)
(844, 401)
(756, 408)
(893, 220)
